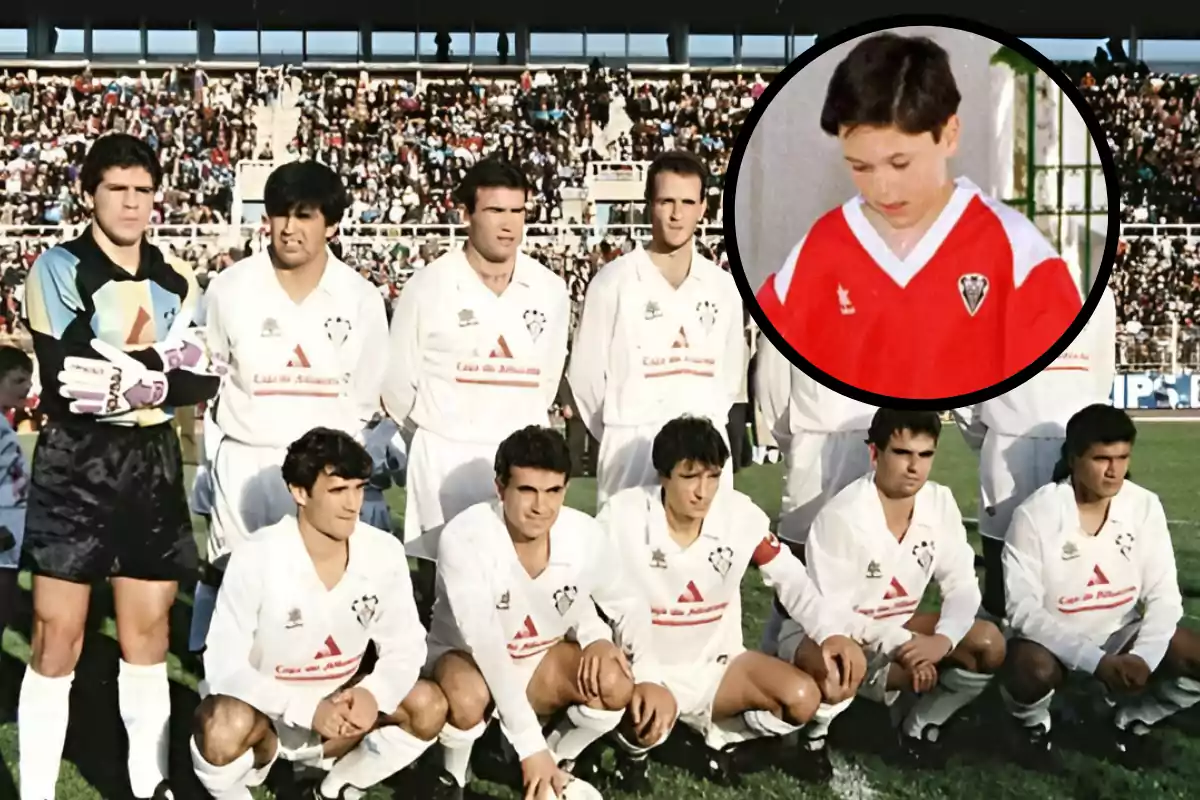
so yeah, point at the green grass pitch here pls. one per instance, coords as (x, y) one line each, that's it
(1164, 461)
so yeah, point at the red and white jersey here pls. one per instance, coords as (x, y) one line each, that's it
(470, 365)
(858, 564)
(1070, 591)
(489, 606)
(792, 403)
(1082, 376)
(281, 641)
(981, 296)
(656, 352)
(295, 366)
(694, 593)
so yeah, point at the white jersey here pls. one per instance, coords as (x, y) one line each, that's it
(858, 564)
(281, 641)
(655, 352)
(1069, 591)
(470, 365)
(295, 366)
(694, 594)
(488, 606)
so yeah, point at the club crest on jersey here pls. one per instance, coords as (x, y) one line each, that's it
(1070, 550)
(923, 552)
(466, 318)
(564, 598)
(364, 609)
(270, 328)
(706, 312)
(535, 321)
(1125, 543)
(505, 601)
(294, 620)
(338, 330)
(973, 288)
(874, 570)
(844, 304)
(658, 559)
(721, 560)
(653, 311)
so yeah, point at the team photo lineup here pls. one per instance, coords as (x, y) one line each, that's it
(509, 634)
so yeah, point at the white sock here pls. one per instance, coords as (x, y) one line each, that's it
(770, 636)
(144, 695)
(456, 749)
(232, 781)
(1032, 715)
(42, 713)
(766, 724)
(636, 750)
(1163, 699)
(204, 602)
(817, 729)
(581, 727)
(956, 688)
(382, 753)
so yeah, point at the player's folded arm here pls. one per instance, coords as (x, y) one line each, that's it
(587, 373)
(955, 577)
(1161, 599)
(399, 381)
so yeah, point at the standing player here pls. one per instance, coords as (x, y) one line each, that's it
(305, 336)
(662, 332)
(297, 608)
(1020, 434)
(1092, 587)
(478, 342)
(386, 446)
(515, 624)
(689, 544)
(16, 373)
(106, 498)
(972, 278)
(823, 436)
(872, 551)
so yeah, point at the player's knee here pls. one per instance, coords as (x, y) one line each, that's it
(57, 643)
(225, 729)
(425, 709)
(467, 697)
(800, 699)
(986, 645)
(616, 689)
(1032, 670)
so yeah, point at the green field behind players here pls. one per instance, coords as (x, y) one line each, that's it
(1164, 461)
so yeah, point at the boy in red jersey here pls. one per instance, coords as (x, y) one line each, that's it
(977, 288)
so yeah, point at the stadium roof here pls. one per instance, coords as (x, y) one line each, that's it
(1027, 18)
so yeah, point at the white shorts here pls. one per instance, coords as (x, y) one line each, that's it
(626, 460)
(818, 465)
(444, 478)
(695, 689)
(874, 684)
(525, 666)
(14, 520)
(248, 494)
(375, 511)
(1011, 468)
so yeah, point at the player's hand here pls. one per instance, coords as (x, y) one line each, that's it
(924, 677)
(114, 384)
(539, 773)
(330, 719)
(1123, 673)
(592, 661)
(652, 710)
(844, 662)
(921, 649)
(189, 350)
(360, 710)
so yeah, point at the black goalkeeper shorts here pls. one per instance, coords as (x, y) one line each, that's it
(107, 502)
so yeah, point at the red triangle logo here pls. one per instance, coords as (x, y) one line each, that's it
(138, 329)
(895, 591)
(501, 349)
(299, 359)
(1098, 577)
(528, 631)
(330, 649)
(691, 594)
(681, 340)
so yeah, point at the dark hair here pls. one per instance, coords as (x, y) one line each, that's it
(677, 162)
(117, 151)
(305, 184)
(325, 450)
(888, 421)
(491, 173)
(1095, 424)
(892, 80)
(14, 359)
(688, 438)
(533, 447)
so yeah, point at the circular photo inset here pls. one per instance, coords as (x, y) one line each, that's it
(922, 216)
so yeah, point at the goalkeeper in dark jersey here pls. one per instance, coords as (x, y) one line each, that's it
(110, 319)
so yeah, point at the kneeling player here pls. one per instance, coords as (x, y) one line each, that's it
(1091, 586)
(872, 551)
(515, 622)
(297, 607)
(689, 545)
